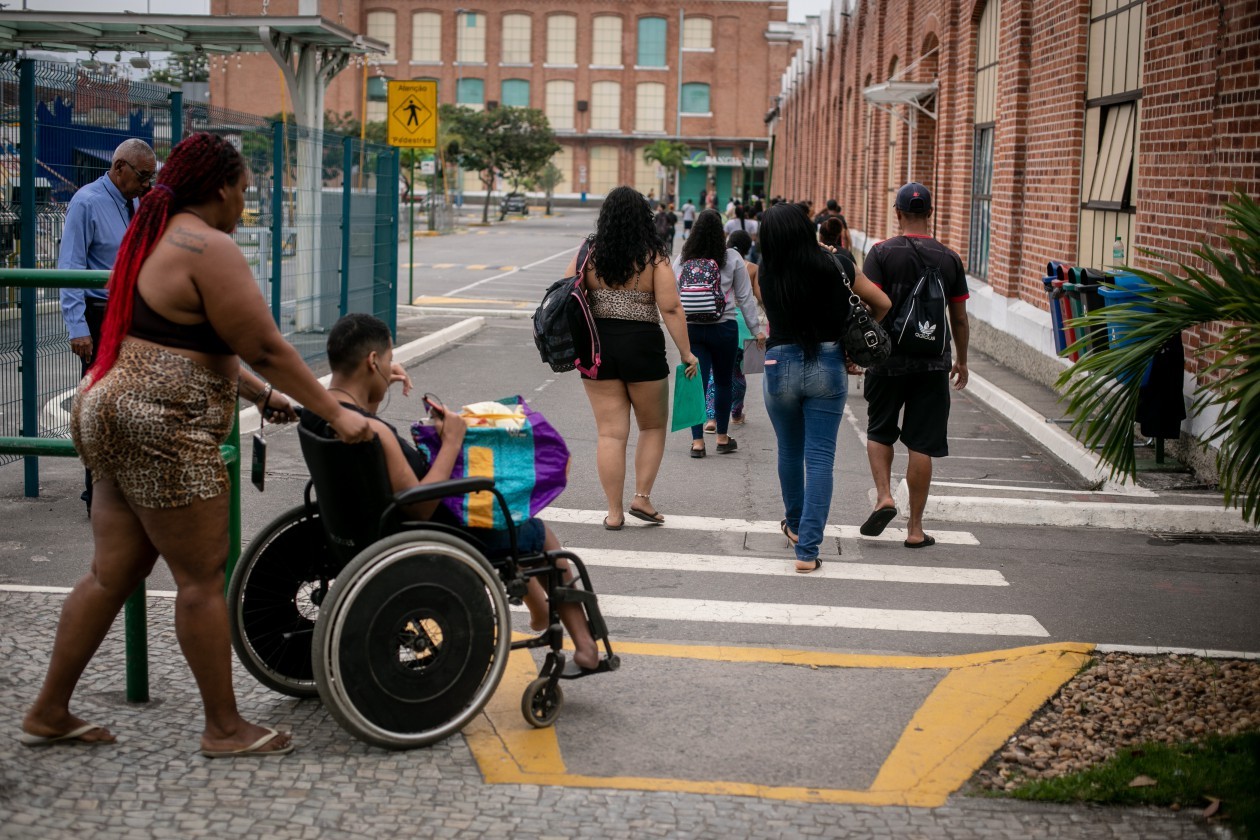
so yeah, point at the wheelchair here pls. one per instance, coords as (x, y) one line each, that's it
(402, 628)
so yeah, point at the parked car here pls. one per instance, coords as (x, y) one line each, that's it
(513, 202)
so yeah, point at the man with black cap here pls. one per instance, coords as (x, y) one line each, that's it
(917, 384)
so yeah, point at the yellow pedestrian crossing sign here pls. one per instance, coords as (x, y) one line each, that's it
(413, 117)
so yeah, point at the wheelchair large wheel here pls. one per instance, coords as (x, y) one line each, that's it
(412, 640)
(273, 601)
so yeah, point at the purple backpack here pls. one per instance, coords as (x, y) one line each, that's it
(700, 290)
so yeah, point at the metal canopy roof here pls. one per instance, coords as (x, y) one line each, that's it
(901, 93)
(79, 31)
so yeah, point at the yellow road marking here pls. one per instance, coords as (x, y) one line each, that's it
(476, 267)
(445, 265)
(983, 700)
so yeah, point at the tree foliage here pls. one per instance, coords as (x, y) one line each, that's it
(180, 68)
(1102, 388)
(513, 142)
(670, 154)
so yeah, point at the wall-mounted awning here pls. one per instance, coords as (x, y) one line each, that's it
(902, 93)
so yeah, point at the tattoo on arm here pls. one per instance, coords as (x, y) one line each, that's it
(189, 241)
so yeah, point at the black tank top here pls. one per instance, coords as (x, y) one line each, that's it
(151, 325)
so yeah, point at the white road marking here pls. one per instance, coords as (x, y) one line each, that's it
(723, 564)
(65, 590)
(765, 526)
(815, 615)
(544, 385)
(855, 423)
(461, 289)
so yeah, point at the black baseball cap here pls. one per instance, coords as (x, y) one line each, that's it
(914, 198)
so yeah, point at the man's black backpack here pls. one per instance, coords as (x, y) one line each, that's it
(564, 329)
(920, 326)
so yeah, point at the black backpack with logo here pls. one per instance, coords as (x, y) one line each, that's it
(920, 325)
(564, 329)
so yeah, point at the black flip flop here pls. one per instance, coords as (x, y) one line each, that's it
(817, 566)
(927, 540)
(877, 522)
(651, 519)
(618, 527)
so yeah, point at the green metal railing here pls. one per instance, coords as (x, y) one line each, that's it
(33, 447)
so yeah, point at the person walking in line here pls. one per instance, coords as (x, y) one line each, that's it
(96, 221)
(743, 221)
(706, 258)
(741, 242)
(631, 287)
(149, 419)
(919, 385)
(805, 383)
(688, 217)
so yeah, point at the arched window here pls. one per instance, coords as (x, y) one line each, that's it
(649, 107)
(562, 40)
(697, 33)
(563, 161)
(606, 106)
(695, 98)
(381, 26)
(517, 35)
(559, 104)
(514, 93)
(426, 37)
(982, 151)
(471, 93)
(470, 38)
(605, 168)
(606, 41)
(651, 42)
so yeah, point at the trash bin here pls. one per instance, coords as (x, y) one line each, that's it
(1128, 290)
(1060, 308)
(1083, 295)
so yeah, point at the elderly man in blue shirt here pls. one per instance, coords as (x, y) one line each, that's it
(96, 221)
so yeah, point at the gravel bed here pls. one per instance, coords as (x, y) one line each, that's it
(1124, 700)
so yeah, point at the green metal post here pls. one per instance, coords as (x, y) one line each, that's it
(277, 216)
(26, 180)
(411, 235)
(347, 161)
(136, 621)
(177, 117)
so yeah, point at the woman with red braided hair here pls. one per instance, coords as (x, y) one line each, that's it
(148, 420)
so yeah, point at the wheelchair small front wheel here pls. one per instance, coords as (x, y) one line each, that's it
(541, 703)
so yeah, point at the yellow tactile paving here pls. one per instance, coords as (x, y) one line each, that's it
(980, 703)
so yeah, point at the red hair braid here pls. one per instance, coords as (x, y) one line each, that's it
(193, 174)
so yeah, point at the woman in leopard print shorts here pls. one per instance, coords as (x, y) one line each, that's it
(149, 419)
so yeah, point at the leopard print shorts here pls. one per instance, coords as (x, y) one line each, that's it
(154, 424)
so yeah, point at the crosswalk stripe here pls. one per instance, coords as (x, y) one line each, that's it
(645, 560)
(574, 516)
(815, 615)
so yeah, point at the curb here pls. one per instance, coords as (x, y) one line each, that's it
(1059, 443)
(422, 347)
(519, 314)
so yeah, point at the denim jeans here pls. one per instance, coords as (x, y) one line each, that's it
(714, 345)
(805, 401)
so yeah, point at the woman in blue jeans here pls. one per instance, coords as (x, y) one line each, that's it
(805, 384)
(715, 343)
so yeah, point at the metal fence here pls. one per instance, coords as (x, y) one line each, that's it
(320, 229)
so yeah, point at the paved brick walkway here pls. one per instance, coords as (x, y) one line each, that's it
(153, 783)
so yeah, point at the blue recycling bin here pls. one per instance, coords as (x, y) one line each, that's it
(1129, 288)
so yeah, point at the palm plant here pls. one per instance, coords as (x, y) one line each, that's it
(1102, 389)
(670, 154)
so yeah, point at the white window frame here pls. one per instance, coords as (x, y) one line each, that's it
(641, 125)
(374, 29)
(560, 26)
(688, 44)
(560, 114)
(433, 41)
(600, 106)
(470, 52)
(598, 40)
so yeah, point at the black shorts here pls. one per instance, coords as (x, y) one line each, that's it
(632, 351)
(925, 398)
(688, 223)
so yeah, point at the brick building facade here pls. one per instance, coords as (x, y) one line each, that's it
(1059, 125)
(606, 73)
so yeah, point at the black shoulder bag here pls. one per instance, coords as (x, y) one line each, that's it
(865, 342)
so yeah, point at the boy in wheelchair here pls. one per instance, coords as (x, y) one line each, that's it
(360, 353)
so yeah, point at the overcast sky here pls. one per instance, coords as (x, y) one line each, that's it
(797, 9)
